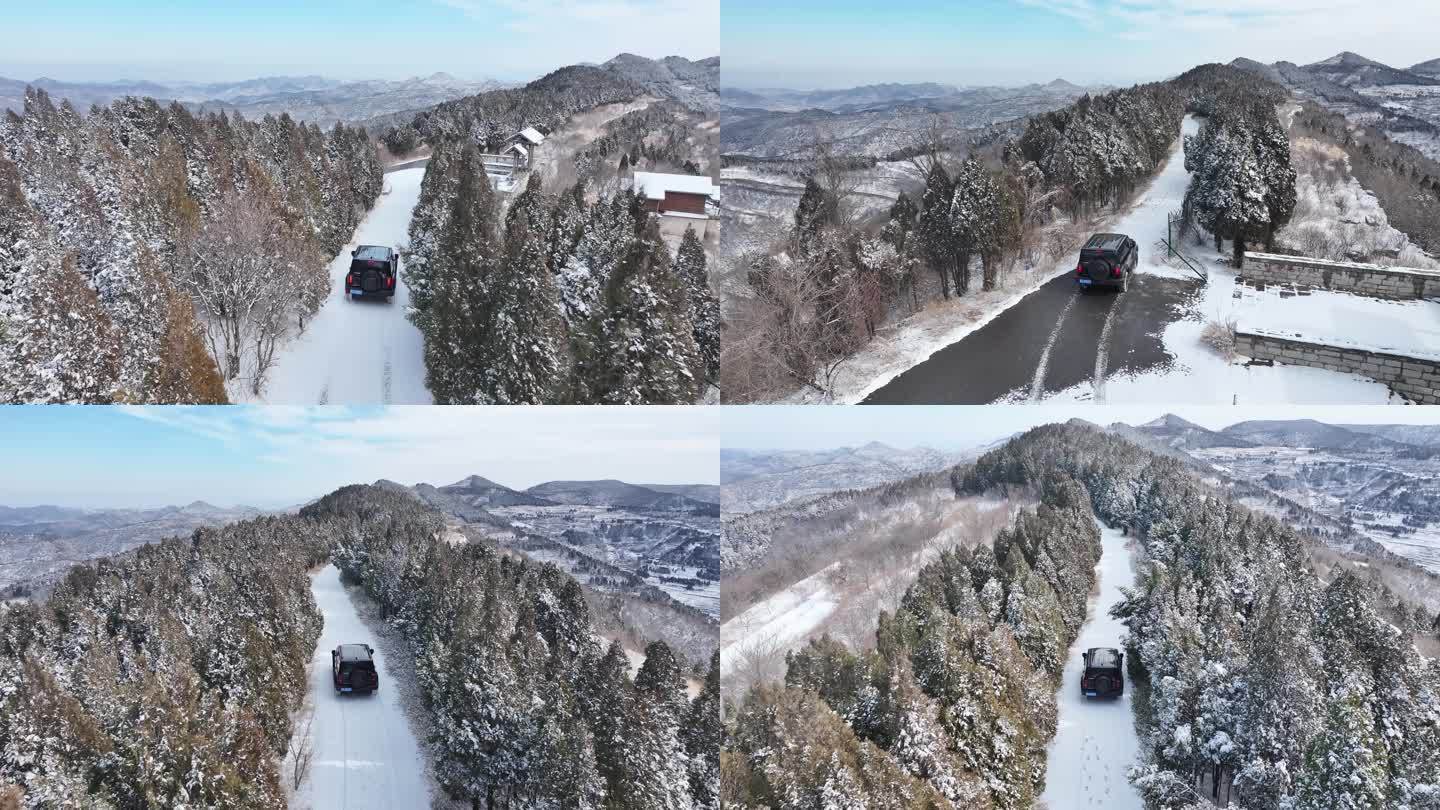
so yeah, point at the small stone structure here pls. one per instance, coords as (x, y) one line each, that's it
(1417, 379)
(1362, 279)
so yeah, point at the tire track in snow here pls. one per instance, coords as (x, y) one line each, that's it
(1037, 385)
(386, 376)
(1102, 354)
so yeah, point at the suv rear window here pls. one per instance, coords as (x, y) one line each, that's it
(1104, 659)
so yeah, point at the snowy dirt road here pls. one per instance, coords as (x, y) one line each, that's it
(1095, 743)
(365, 754)
(360, 352)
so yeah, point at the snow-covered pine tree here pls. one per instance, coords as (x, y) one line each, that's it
(702, 735)
(815, 212)
(521, 355)
(468, 252)
(639, 347)
(704, 304)
(932, 228)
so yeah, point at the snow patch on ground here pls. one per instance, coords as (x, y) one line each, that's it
(1199, 375)
(360, 352)
(1095, 743)
(778, 622)
(1411, 328)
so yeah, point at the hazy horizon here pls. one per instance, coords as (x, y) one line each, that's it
(1018, 42)
(507, 40)
(109, 456)
(961, 427)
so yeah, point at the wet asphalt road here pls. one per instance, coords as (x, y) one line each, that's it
(1053, 339)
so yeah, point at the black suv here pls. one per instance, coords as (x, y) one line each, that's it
(1102, 676)
(1107, 260)
(373, 270)
(352, 666)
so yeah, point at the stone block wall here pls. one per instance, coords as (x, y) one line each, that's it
(1416, 379)
(1351, 277)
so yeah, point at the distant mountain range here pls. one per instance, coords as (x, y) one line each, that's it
(38, 543)
(1176, 432)
(880, 96)
(1403, 102)
(875, 120)
(1380, 480)
(472, 498)
(313, 99)
(751, 480)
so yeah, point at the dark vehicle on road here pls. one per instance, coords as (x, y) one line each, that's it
(353, 668)
(1107, 260)
(373, 270)
(1102, 676)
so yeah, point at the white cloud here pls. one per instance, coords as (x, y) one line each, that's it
(651, 28)
(320, 448)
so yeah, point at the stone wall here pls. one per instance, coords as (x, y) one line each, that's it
(1362, 279)
(1416, 379)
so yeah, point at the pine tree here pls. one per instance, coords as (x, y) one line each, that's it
(463, 266)
(702, 736)
(932, 228)
(815, 212)
(521, 358)
(64, 345)
(1342, 771)
(704, 305)
(640, 347)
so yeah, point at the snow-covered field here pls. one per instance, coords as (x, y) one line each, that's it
(1095, 743)
(360, 352)
(365, 754)
(845, 603)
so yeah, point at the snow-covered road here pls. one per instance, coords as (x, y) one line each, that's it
(360, 352)
(1096, 743)
(365, 755)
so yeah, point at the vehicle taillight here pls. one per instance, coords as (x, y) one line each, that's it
(1079, 269)
(350, 279)
(1115, 271)
(390, 282)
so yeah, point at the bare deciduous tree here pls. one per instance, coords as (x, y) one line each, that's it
(250, 281)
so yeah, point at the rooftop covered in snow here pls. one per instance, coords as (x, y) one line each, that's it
(532, 135)
(654, 185)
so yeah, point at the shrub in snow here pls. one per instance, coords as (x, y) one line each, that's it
(1219, 334)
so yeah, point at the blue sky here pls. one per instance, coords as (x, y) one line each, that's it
(206, 40)
(110, 456)
(788, 427)
(843, 43)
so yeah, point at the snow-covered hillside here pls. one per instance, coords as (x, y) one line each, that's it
(359, 351)
(1095, 743)
(365, 756)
